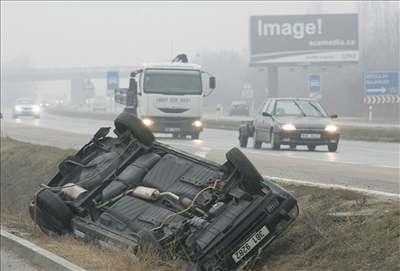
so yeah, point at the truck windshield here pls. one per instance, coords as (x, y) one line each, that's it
(175, 82)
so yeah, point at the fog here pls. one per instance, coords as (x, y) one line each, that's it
(64, 34)
(214, 34)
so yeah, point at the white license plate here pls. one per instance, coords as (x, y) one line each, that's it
(255, 239)
(172, 129)
(310, 136)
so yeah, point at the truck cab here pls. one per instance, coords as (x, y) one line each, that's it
(170, 97)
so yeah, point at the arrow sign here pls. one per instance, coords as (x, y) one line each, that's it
(376, 90)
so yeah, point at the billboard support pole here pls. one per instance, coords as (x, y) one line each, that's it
(273, 81)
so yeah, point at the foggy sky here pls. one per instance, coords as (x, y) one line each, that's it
(65, 34)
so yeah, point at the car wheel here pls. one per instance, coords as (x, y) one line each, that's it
(292, 147)
(274, 142)
(256, 144)
(251, 177)
(127, 121)
(311, 147)
(195, 135)
(332, 147)
(52, 207)
(243, 141)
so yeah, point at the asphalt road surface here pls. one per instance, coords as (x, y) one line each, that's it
(366, 165)
(12, 262)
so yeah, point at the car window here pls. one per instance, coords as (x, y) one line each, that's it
(265, 106)
(283, 108)
(270, 108)
(312, 109)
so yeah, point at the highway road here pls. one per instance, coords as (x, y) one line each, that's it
(365, 165)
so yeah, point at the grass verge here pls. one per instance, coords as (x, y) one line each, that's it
(336, 229)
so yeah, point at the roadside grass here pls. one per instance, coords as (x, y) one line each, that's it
(366, 237)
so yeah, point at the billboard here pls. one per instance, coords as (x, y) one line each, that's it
(297, 39)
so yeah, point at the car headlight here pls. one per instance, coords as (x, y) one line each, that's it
(36, 109)
(147, 122)
(288, 127)
(331, 128)
(18, 108)
(197, 123)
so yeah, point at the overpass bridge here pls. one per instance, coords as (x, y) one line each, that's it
(50, 74)
(78, 76)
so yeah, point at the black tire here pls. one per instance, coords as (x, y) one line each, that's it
(51, 206)
(292, 147)
(243, 141)
(256, 144)
(251, 177)
(126, 121)
(332, 147)
(195, 135)
(275, 145)
(311, 147)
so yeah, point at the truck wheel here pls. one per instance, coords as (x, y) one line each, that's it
(126, 121)
(311, 147)
(57, 212)
(195, 135)
(251, 177)
(243, 140)
(332, 147)
(256, 144)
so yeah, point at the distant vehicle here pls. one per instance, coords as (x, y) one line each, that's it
(293, 122)
(98, 104)
(25, 107)
(45, 104)
(170, 97)
(239, 108)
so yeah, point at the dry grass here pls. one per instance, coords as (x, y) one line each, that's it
(317, 241)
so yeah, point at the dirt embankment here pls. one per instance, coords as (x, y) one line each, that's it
(336, 230)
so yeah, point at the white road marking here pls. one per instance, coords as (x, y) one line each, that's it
(334, 186)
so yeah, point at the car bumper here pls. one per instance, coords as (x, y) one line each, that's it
(308, 137)
(173, 125)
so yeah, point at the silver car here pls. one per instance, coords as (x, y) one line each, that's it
(25, 107)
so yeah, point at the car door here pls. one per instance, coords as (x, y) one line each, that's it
(260, 123)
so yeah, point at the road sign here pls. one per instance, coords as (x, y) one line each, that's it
(381, 88)
(314, 86)
(112, 80)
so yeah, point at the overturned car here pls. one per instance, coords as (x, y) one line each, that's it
(131, 191)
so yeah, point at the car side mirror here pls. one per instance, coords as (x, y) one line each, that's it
(335, 116)
(212, 82)
(266, 114)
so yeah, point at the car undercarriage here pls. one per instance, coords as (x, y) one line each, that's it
(131, 191)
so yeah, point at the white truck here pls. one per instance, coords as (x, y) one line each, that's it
(169, 97)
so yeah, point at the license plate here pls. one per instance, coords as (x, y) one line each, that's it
(172, 129)
(255, 239)
(310, 136)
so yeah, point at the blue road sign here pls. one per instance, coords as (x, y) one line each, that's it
(314, 85)
(381, 83)
(112, 80)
